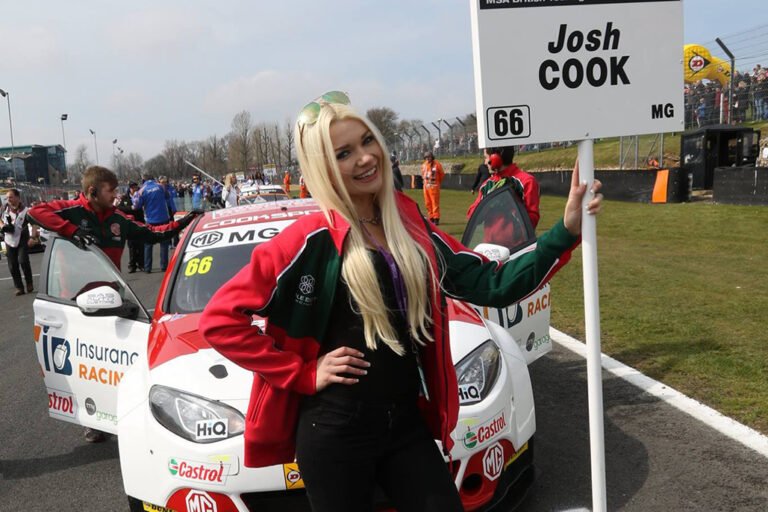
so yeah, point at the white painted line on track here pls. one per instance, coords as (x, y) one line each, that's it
(9, 278)
(723, 424)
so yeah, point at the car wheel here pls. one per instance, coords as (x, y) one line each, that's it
(135, 505)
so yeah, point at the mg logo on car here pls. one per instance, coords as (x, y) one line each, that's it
(206, 239)
(493, 461)
(199, 501)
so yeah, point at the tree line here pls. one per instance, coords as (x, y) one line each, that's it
(248, 147)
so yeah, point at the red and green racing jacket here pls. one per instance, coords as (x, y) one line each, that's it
(291, 280)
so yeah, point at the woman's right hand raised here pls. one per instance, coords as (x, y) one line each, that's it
(330, 366)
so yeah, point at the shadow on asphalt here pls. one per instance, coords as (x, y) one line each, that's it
(81, 455)
(562, 459)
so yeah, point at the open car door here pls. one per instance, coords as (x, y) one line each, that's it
(89, 329)
(498, 228)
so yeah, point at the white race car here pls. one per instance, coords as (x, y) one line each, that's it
(178, 407)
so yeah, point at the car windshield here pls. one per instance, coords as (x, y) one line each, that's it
(202, 272)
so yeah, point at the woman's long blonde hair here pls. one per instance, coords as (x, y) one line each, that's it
(323, 178)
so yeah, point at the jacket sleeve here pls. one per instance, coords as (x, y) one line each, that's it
(226, 323)
(51, 216)
(170, 203)
(149, 234)
(532, 197)
(472, 277)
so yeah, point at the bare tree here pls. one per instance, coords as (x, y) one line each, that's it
(278, 151)
(385, 120)
(175, 152)
(79, 165)
(241, 141)
(212, 155)
(134, 164)
(289, 142)
(157, 165)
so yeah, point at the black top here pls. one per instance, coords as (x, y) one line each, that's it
(391, 378)
(482, 175)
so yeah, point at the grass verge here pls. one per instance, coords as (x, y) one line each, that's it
(683, 290)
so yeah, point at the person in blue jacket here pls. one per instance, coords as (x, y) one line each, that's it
(216, 189)
(154, 200)
(197, 191)
(171, 198)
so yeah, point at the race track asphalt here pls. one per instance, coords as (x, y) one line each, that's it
(657, 458)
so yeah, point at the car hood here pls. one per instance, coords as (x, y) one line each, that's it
(176, 336)
(179, 357)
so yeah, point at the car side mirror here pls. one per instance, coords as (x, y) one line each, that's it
(105, 301)
(493, 252)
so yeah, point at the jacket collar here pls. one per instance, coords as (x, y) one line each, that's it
(339, 227)
(86, 204)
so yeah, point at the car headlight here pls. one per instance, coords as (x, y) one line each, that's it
(478, 372)
(193, 417)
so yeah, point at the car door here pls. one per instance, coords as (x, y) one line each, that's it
(500, 223)
(83, 357)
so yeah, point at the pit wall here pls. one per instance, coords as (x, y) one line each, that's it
(645, 186)
(741, 185)
(732, 185)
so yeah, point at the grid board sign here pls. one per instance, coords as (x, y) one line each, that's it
(557, 70)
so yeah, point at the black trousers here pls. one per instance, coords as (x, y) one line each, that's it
(345, 449)
(135, 254)
(19, 257)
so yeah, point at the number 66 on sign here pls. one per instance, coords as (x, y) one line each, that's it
(509, 122)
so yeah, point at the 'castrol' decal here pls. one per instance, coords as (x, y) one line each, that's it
(472, 435)
(205, 472)
(61, 403)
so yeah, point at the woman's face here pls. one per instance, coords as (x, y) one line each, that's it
(359, 156)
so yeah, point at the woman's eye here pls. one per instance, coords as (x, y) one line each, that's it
(368, 139)
(341, 155)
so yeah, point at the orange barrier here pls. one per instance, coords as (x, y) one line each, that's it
(660, 186)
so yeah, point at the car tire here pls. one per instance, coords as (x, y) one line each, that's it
(135, 505)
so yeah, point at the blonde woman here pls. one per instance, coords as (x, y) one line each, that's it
(230, 194)
(353, 375)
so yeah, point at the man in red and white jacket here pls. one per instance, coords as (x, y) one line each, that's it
(504, 171)
(93, 218)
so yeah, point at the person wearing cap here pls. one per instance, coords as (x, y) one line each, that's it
(432, 174)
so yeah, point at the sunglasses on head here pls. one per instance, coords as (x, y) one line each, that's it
(311, 111)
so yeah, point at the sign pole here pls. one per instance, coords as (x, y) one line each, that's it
(592, 329)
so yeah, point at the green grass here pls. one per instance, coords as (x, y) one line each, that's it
(606, 152)
(683, 295)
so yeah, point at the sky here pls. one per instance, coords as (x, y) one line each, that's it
(144, 72)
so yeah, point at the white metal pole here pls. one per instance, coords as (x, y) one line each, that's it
(722, 110)
(592, 329)
(202, 171)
